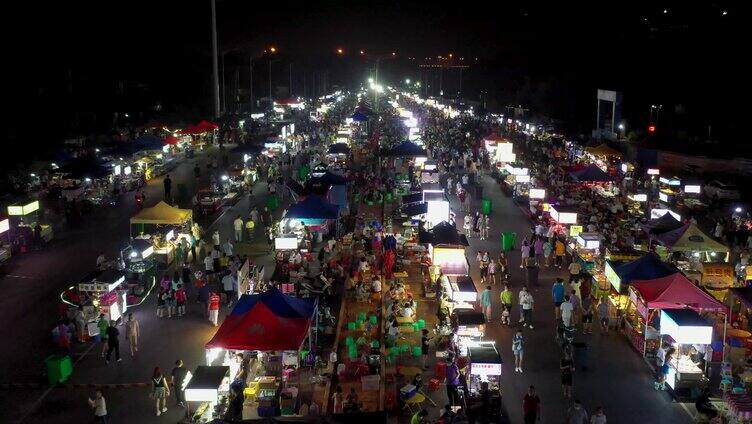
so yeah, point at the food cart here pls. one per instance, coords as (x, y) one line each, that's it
(485, 369)
(685, 328)
(22, 218)
(585, 248)
(209, 386)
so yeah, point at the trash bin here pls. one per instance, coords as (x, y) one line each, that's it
(272, 203)
(486, 207)
(59, 368)
(508, 240)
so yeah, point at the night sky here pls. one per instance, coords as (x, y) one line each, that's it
(73, 64)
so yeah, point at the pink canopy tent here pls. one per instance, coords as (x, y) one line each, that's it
(675, 291)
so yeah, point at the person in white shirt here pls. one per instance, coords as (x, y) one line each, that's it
(566, 311)
(215, 238)
(238, 227)
(376, 285)
(599, 417)
(99, 405)
(228, 248)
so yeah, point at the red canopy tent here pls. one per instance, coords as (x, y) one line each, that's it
(261, 329)
(675, 291)
(200, 128)
(171, 140)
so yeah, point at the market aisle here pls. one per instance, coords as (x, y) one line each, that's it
(617, 377)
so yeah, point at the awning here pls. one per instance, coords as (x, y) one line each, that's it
(591, 173)
(162, 214)
(661, 225)
(412, 198)
(689, 238)
(443, 233)
(648, 267)
(602, 150)
(313, 207)
(414, 209)
(675, 292)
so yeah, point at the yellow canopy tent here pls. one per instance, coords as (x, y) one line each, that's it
(689, 238)
(602, 150)
(162, 214)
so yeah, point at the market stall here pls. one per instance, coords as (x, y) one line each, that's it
(261, 341)
(207, 391)
(23, 218)
(667, 293)
(160, 214)
(685, 328)
(5, 245)
(485, 370)
(690, 240)
(313, 213)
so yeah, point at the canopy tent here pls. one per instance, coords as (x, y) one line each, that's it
(443, 233)
(171, 140)
(675, 291)
(602, 150)
(591, 173)
(359, 116)
(200, 128)
(661, 225)
(313, 207)
(406, 149)
(414, 209)
(320, 183)
(412, 198)
(149, 142)
(162, 214)
(647, 267)
(265, 322)
(689, 238)
(338, 149)
(86, 167)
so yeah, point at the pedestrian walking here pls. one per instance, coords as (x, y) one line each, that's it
(424, 340)
(180, 298)
(492, 271)
(548, 250)
(531, 407)
(574, 271)
(467, 225)
(103, 324)
(486, 227)
(598, 417)
(453, 381)
(214, 301)
(250, 227)
(99, 405)
(485, 302)
(178, 375)
(524, 253)
(518, 348)
(526, 302)
(238, 226)
(577, 414)
(566, 366)
(557, 293)
(160, 390)
(559, 251)
(507, 297)
(132, 331)
(477, 224)
(215, 239)
(167, 188)
(113, 342)
(603, 315)
(567, 310)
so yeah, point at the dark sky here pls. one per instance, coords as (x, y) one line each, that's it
(691, 54)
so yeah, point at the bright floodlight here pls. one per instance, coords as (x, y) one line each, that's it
(738, 209)
(407, 80)
(621, 127)
(370, 80)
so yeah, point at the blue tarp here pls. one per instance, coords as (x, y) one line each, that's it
(313, 207)
(279, 303)
(359, 116)
(149, 142)
(338, 149)
(648, 267)
(407, 149)
(592, 173)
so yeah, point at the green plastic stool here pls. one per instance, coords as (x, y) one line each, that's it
(351, 326)
(421, 323)
(373, 319)
(417, 351)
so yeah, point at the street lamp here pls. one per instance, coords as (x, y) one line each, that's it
(340, 50)
(272, 50)
(407, 80)
(362, 52)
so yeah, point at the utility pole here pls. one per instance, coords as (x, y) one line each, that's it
(224, 86)
(215, 71)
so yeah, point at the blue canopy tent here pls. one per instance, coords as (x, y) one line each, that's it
(359, 116)
(591, 174)
(412, 198)
(406, 149)
(149, 142)
(313, 207)
(279, 303)
(338, 149)
(648, 267)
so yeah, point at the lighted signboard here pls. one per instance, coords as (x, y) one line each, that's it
(4, 226)
(506, 157)
(663, 197)
(523, 178)
(485, 369)
(639, 197)
(575, 230)
(537, 193)
(286, 243)
(696, 333)
(612, 277)
(654, 171)
(563, 217)
(692, 189)
(17, 210)
(437, 211)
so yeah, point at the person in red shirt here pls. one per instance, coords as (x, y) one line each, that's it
(214, 308)
(180, 298)
(531, 406)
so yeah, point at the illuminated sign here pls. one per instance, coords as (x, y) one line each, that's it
(639, 197)
(523, 178)
(485, 369)
(654, 171)
(537, 193)
(563, 217)
(612, 277)
(286, 243)
(663, 197)
(692, 189)
(575, 230)
(16, 210)
(4, 226)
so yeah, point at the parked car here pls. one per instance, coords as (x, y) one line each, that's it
(718, 190)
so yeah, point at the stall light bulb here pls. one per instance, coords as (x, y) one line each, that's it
(87, 179)
(738, 209)
(225, 177)
(33, 174)
(712, 254)
(134, 254)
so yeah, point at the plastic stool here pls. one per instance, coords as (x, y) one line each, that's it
(738, 390)
(726, 385)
